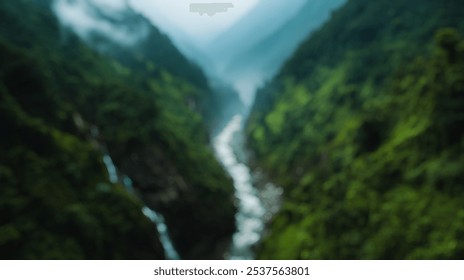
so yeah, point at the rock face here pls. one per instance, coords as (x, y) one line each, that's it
(363, 129)
(151, 117)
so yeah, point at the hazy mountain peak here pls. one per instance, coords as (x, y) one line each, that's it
(265, 18)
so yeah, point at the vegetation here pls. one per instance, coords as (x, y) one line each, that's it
(56, 201)
(363, 127)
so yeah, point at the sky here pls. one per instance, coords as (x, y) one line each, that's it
(170, 15)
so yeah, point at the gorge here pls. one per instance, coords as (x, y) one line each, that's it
(307, 130)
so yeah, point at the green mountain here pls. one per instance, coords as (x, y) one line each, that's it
(363, 127)
(55, 197)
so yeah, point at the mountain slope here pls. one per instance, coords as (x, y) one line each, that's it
(252, 28)
(267, 55)
(363, 128)
(56, 201)
(56, 189)
(253, 49)
(132, 40)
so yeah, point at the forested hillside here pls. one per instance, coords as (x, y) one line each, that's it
(56, 201)
(363, 128)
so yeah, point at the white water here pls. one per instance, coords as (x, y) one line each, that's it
(112, 173)
(254, 207)
(158, 219)
(252, 211)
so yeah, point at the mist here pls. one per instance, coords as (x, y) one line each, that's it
(242, 47)
(245, 46)
(89, 18)
(175, 19)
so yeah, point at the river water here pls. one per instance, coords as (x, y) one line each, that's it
(255, 207)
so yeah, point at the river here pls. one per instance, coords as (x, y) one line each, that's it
(254, 206)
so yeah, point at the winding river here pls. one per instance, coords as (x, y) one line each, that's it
(255, 207)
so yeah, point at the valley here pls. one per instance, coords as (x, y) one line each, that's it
(305, 130)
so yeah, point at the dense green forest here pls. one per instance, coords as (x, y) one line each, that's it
(363, 127)
(56, 201)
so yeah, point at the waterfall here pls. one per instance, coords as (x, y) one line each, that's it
(112, 173)
(169, 250)
(165, 240)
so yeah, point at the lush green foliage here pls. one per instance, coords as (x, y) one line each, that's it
(364, 130)
(55, 199)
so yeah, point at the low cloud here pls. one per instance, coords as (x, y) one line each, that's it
(100, 17)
